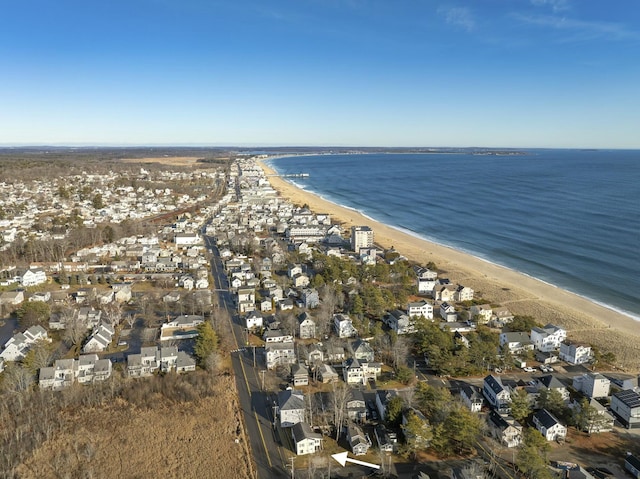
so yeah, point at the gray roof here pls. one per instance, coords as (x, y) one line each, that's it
(302, 431)
(290, 400)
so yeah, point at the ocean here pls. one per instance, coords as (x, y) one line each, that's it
(570, 218)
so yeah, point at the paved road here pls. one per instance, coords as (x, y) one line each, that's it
(256, 405)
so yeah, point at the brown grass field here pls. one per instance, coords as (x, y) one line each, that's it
(163, 438)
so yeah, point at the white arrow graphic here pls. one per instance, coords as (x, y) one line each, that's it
(343, 459)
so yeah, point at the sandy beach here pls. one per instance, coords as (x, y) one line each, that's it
(584, 320)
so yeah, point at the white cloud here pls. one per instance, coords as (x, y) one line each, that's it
(460, 17)
(580, 29)
(556, 5)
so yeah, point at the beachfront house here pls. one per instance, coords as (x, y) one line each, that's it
(574, 352)
(548, 338)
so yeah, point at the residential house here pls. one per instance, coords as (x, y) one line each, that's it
(362, 350)
(164, 359)
(463, 293)
(43, 296)
(310, 298)
(344, 326)
(411, 414)
(507, 431)
(254, 320)
(294, 270)
(444, 292)
(291, 407)
(593, 385)
(276, 336)
(300, 375)
(549, 426)
(301, 281)
(85, 370)
(448, 312)
(481, 313)
(501, 316)
(358, 441)
(278, 354)
(32, 277)
(12, 298)
(184, 363)
(574, 352)
(549, 383)
(315, 355)
(356, 406)
(623, 381)
(335, 353)
(266, 304)
(100, 338)
(19, 344)
(600, 421)
(383, 396)
(626, 406)
(306, 326)
(353, 372)
(399, 322)
(387, 440)
(516, 341)
(416, 309)
(471, 397)
(496, 393)
(326, 374)
(548, 338)
(305, 441)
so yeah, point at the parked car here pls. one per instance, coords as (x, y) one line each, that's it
(528, 369)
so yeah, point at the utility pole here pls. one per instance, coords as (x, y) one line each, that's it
(254, 360)
(292, 470)
(261, 372)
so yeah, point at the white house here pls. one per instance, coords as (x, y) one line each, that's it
(515, 341)
(593, 385)
(497, 394)
(100, 338)
(448, 312)
(481, 313)
(19, 344)
(254, 320)
(291, 407)
(279, 354)
(33, 277)
(344, 326)
(549, 426)
(471, 397)
(548, 338)
(420, 308)
(399, 322)
(575, 353)
(463, 293)
(305, 441)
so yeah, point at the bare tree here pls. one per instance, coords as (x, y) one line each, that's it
(341, 394)
(75, 328)
(17, 379)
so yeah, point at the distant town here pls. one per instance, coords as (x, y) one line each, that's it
(335, 343)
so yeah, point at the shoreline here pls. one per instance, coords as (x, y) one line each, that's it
(584, 319)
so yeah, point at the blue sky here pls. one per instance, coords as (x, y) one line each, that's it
(511, 73)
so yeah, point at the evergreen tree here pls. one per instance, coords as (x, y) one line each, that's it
(206, 342)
